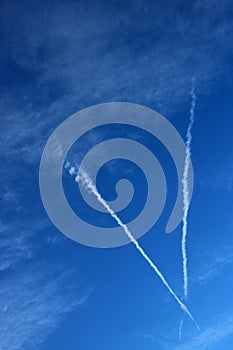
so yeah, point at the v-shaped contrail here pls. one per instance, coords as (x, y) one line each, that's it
(86, 181)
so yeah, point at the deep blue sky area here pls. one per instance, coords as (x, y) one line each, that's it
(58, 57)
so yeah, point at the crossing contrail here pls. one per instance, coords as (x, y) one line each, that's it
(86, 181)
(185, 184)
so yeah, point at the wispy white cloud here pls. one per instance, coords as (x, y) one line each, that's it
(33, 302)
(57, 56)
(210, 336)
(16, 241)
(34, 295)
(212, 265)
(127, 69)
(220, 177)
(14, 246)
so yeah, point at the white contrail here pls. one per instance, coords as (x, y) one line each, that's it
(180, 329)
(88, 184)
(186, 189)
(186, 196)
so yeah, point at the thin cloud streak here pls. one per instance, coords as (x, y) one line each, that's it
(86, 181)
(211, 335)
(35, 296)
(213, 264)
(32, 305)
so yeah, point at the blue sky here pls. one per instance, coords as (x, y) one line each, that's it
(56, 58)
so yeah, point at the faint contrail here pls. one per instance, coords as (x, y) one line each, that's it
(185, 184)
(180, 328)
(88, 184)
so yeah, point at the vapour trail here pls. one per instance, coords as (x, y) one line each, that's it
(186, 189)
(180, 329)
(88, 184)
(186, 197)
